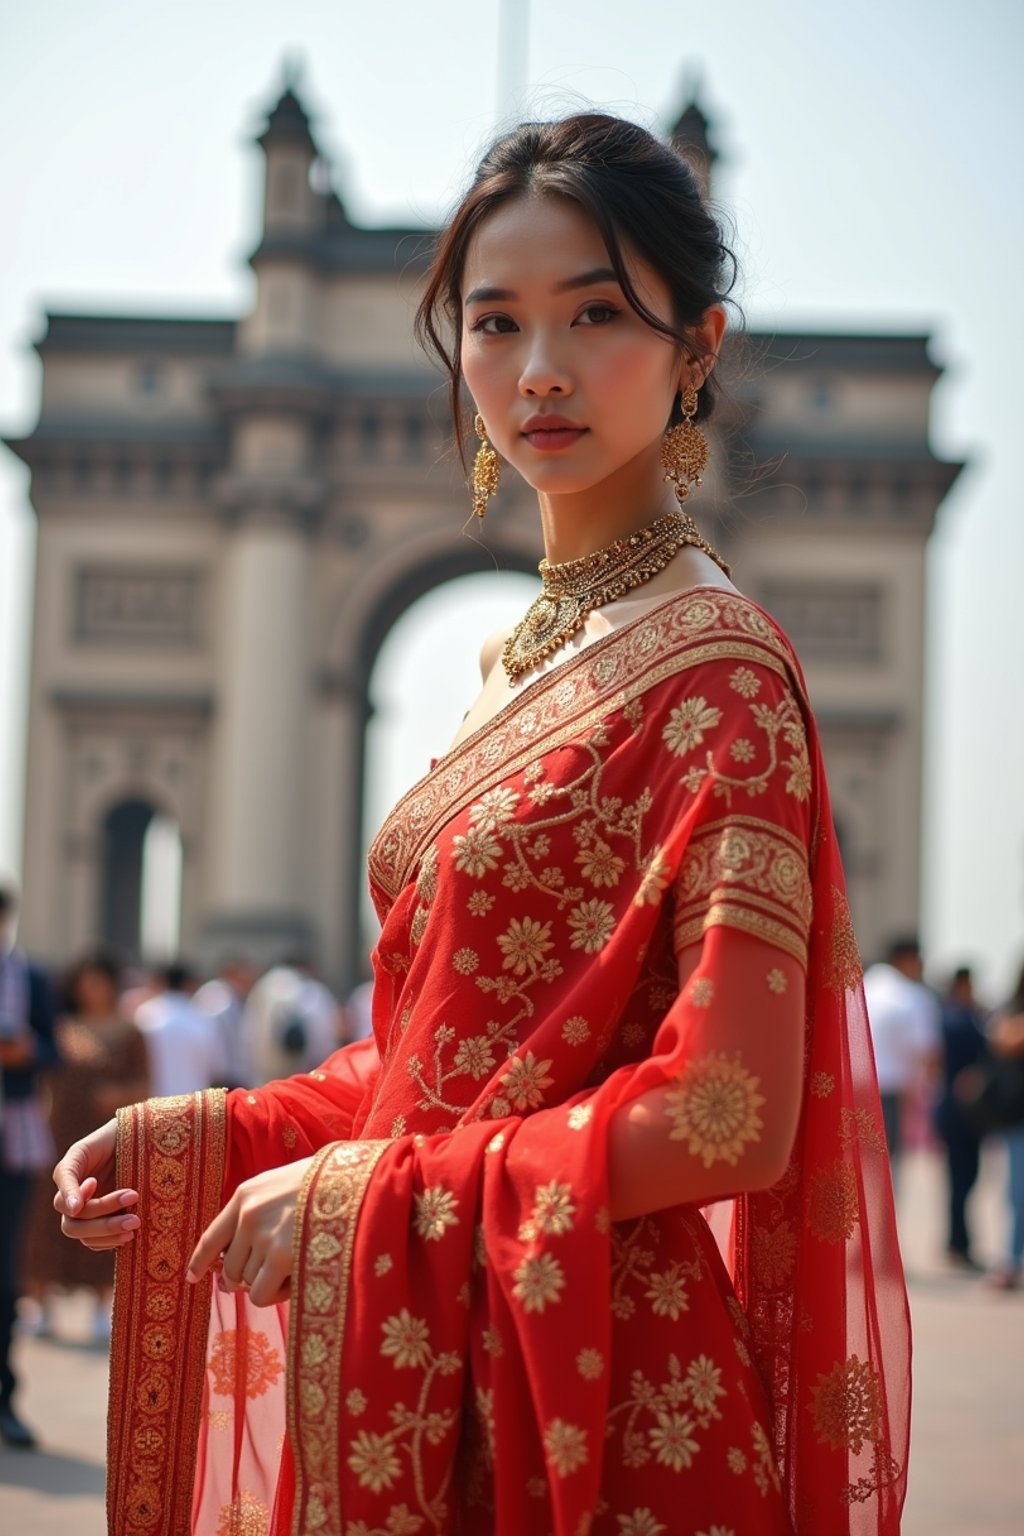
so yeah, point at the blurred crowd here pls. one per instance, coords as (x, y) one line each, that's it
(76, 1046)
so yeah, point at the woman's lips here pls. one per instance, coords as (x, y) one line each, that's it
(551, 439)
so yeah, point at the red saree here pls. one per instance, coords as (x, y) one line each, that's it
(472, 1345)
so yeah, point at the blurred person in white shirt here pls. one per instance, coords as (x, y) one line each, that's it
(183, 1044)
(223, 1001)
(292, 1022)
(906, 1032)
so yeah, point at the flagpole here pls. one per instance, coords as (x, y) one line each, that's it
(513, 55)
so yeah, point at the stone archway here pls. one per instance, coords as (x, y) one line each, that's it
(125, 833)
(367, 622)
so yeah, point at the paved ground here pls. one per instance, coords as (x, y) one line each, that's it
(966, 1477)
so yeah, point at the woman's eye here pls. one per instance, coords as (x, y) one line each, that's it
(598, 314)
(494, 325)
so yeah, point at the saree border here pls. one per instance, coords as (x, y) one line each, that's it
(330, 1200)
(600, 679)
(733, 900)
(172, 1151)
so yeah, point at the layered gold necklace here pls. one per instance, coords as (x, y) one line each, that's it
(572, 589)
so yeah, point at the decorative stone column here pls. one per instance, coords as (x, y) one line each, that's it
(256, 832)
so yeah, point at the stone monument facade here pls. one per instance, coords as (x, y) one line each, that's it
(232, 514)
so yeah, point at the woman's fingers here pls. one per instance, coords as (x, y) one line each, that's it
(272, 1283)
(214, 1241)
(92, 1157)
(101, 1230)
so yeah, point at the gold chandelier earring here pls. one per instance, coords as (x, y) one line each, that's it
(684, 449)
(486, 474)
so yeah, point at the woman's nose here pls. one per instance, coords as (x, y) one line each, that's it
(543, 374)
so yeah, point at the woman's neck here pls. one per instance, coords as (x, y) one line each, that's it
(581, 522)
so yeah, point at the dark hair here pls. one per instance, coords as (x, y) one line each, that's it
(634, 187)
(962, 973)
(102, 961)
(903, 946)
(175, 976)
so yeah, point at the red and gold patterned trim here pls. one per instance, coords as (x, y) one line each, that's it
(171, 1151)
(325, 1231)
(745, 873)
(687, 630)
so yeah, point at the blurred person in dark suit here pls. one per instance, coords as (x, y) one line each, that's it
(27, 1046)
(964, 1047)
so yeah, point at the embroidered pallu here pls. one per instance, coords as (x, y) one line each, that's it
(473, 1345)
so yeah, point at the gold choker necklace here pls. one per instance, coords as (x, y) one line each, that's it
(574, 588)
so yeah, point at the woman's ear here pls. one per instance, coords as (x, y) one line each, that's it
(707, 335)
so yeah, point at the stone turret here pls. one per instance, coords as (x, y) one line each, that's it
(690, 136)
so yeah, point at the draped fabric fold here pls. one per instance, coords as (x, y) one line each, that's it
(474, 1346)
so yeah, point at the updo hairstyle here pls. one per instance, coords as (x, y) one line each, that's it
(638, 191)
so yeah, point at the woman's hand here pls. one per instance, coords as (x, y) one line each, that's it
(90, 1212)
(254, 1233)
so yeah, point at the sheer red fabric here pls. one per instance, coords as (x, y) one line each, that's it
(474, 1346)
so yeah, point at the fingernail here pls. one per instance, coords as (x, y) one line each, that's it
(130, 1223)
(73, 1202)
(191, 1276)
(127, 1197)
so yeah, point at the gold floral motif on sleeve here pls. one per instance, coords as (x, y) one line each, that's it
(748, 874)
(714, 1108)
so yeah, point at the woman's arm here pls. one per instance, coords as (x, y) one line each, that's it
(727, 1125)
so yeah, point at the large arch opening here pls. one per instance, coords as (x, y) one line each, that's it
(140, 906)
(424, 678)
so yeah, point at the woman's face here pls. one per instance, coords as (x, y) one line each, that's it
(571, 383)
(95, 993)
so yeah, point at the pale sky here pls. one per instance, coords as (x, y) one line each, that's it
(871, 160)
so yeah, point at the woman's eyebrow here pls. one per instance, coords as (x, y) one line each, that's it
(488, 295)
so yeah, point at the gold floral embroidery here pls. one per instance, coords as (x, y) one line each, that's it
(329, 1203)
(524, 944)
(600, 865)
(847, 1405)
(356, 1402)
(655, 879)
(667, 1293)
(822, 1084)
(244, 1516)
(861, 1125)
(592, 924)
(435, 1212)
(774, 1253)
(748, 874)
(680, 1408)
(565, 1446)
(263, 1364)
(777, 982)
(687, 724)
(538, 1282)
(157, 1370)
(702, 991)
(406, 1341)
(590, 1364)
(522, 1086)
(745, 682)
(579, 1116)
(640, 1523)
(714, 1108)
(575, 1030)
(686, 633)
(843, 969)
(553, 1209)
(833, 1206)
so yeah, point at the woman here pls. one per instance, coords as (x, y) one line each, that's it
(104, 1065)
(616, 983)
